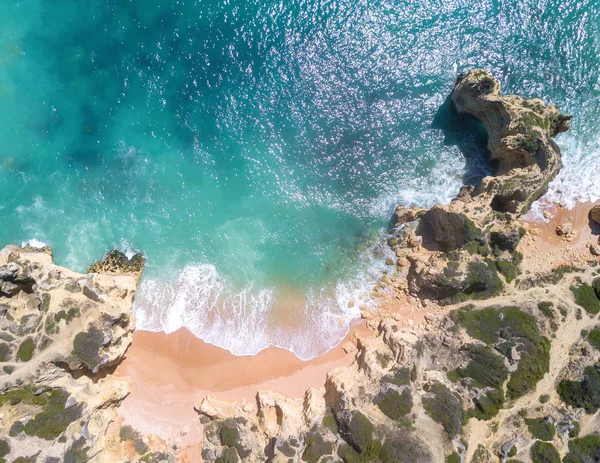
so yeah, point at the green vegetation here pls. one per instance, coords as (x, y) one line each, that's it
(229, 455)
(596, 287)
(395, 404)
(68, 316)
(316, 447)
(453, 458)
(128, 433)
(8, 369)
(507, 269)
(585, 393)
(541, 428)
(4, 352)
(54, 419)
(544, 398)
(583, 450)
(77, 453)
(401, 377)
(383, 359)
(26, 349)
(488, 405)
(363, 446)
(486, 369)
(543, 452)
(51, 421)
(229, 436)
(445, 407)
(546, 309)
(574, 432)
(87, 346)
(586, 297)
(491, 325)
(594, 338)
(330, 422)
(4, 449)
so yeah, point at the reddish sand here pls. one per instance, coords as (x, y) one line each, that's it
(171, 373)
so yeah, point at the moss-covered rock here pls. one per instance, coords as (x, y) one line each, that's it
(26, 349)
(88, 346)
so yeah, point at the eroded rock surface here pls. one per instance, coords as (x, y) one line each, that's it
(61, 335)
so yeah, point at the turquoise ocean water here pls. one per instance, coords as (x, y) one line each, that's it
(254, 150)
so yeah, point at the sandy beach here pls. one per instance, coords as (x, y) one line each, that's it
(171, 373)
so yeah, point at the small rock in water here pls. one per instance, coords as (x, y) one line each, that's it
(351, 303)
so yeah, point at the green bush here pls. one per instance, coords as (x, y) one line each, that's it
(445, 407)
(4, 448)
(583, 450)
(330, 422)
(586, 298)
(541, 429)
(401, 377)
(316, 447)
(77, 453)
(596, 287)
(360, 435)
(585, 393)
(546, 309)
(26, 349)
(543, 452)
(544, 398)
(574, 432)
(487, 405)
(507, 269)
(485, 368)
(487, 324)
(453, 458)
(54, 419)
(594, 338)
(395, 404)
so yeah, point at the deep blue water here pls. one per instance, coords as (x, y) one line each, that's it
(253, 150)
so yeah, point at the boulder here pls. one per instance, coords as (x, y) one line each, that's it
(595, 214)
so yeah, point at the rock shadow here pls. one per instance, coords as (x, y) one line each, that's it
(469, 136)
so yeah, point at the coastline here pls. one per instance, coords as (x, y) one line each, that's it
(171, 373)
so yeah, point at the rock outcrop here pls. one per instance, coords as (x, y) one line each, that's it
(478, 384)
(61, 335)
(595, 214)
(469, 244)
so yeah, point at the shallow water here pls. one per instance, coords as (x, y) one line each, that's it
(254, 150)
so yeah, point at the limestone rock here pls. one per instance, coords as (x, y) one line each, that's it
(564, 229)
(403, 214)
(59, 344)
(117, 263)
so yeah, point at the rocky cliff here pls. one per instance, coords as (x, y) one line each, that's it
(62, 333)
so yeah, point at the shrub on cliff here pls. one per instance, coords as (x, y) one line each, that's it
(541, 428)
(544, 452)
(586, 297)
(583, 450)
(487, 405)
(492, 325)
(594, 338)
(87, 347)
(316, 447)
(582, 394)
(445, 407)
(395, 404)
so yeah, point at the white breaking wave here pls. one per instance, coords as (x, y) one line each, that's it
(579, 179)
(34, 243)
(246, 321)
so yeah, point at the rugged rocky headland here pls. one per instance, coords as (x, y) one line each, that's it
(503, 367)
